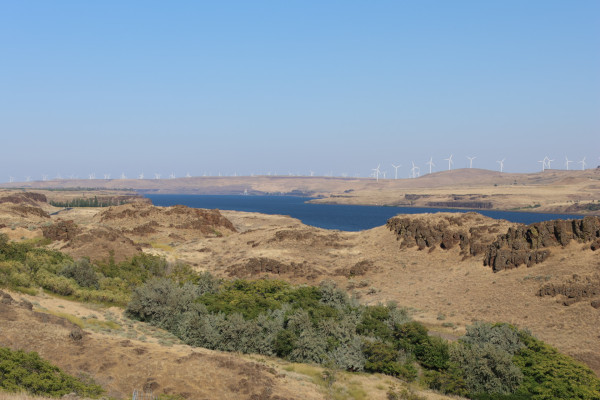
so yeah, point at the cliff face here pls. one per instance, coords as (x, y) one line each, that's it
(472, 232)
(503, 245)
(531, 244)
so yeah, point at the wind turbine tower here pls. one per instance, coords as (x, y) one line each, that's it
(107, 176)
(141, 176)
(415, 171)
(582, 162)
(567, 161)
(501, 162)
(543, 164)
(548, 161)
(123, 175)
(471, 161)
(11, 179)
(450, 162)
(376, 172)
(430, 163)
(156, 176)
(396, 170)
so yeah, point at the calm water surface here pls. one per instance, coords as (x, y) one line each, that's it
(329, 216)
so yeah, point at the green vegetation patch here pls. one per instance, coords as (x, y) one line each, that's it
(22, 371)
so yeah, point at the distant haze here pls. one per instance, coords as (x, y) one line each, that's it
(290, 87)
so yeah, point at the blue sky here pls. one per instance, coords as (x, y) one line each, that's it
(292, 86)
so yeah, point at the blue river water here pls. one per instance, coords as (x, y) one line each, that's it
(329, 216)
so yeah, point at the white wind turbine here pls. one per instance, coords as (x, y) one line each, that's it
(141, 176)
(11, 179)
(312, 173)
(501, 162)
(92, 176)
(156, 175)
(567, 161)
(172, 176)
(548, 161)
(543, 164)
(471, 161)
(450, 162)
(430, 163)
(582, 162)
(376, 172)
(107, 176)
(44, 178)
(415, 171)
(123, 175)
(188, 175)
(396, 170)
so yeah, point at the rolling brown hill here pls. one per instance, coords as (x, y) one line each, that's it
(551, 190)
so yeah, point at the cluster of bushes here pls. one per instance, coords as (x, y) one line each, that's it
(88, 202)
(23, 266)
(322, 325)
(21, 371)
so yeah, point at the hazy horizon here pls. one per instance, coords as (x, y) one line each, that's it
(331, 87)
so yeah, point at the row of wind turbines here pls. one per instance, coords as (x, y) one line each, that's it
(415, 171)
(546, 163)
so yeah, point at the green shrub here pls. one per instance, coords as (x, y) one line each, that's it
(284, 343)
(374, 323)
(433, 353)
(383, 357)
(161, 302)
(500, 335)
(310, 346)
(27, 371)
(487, 368)
(56, 284)
(447, 381)
(349, 356)
(82, 272)
(549, 374)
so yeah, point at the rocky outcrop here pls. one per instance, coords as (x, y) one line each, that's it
(310, 237)
(143, 219)
(263, 265)
(574, 290)
(471, 232)
(27, 198)
(61, 230)
(359, 269)
(102, 243)
(531, 244)
(461, 204)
